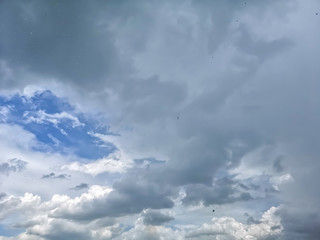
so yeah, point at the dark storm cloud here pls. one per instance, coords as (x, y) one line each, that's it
(55, 176)
(12, 165)
(156, 218)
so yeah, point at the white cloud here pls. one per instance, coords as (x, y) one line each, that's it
(229, 228)
(116, 162)
(15, 136)
(46, 220)
(19, 205)
(149, 232)
(5, 71)
(55, 118)
(51, 220)
(5, 112)
(276, 181)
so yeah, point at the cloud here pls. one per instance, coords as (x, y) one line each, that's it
(223, 191)
(18, 205)
(229, 228)
(299, 224)
(9, 137)
(156, 218)
(31, 28)
(81, 186)
(5, 112)
(279, 180)
(116, 162)
(55, 176)
(12, 165)
(243, 79)
(41, 117)
(277, 164)
(146, 232)
(129, 196)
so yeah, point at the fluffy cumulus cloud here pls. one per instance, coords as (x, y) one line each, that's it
(135, 119)
(269, 227)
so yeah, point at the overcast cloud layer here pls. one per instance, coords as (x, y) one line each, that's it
(135, 119)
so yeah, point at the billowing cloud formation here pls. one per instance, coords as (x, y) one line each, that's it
(46, 223)
(268, 228)
(21, 205)
(168, 107)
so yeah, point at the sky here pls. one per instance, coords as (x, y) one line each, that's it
(134, 120)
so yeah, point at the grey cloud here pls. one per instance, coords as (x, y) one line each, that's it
(80, 48)
(147, 161)
(277, 164)
(266, 94)
(251, 220)
(81, 187)
(271, 190)
(300, 225)
(260, 48)
(131, 195)
(245, 187)
(197, 160)
(221, 192)
(12, 165)
(2, 195)
(55, 176)
(156, 218)
(61, 230)
(75, 48)
(148, 99)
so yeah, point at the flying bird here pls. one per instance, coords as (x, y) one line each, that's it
(213, 210)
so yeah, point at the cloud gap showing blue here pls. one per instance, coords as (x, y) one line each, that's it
(56, 125)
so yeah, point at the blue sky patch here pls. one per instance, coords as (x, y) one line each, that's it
(55, 124)
(8, 231)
